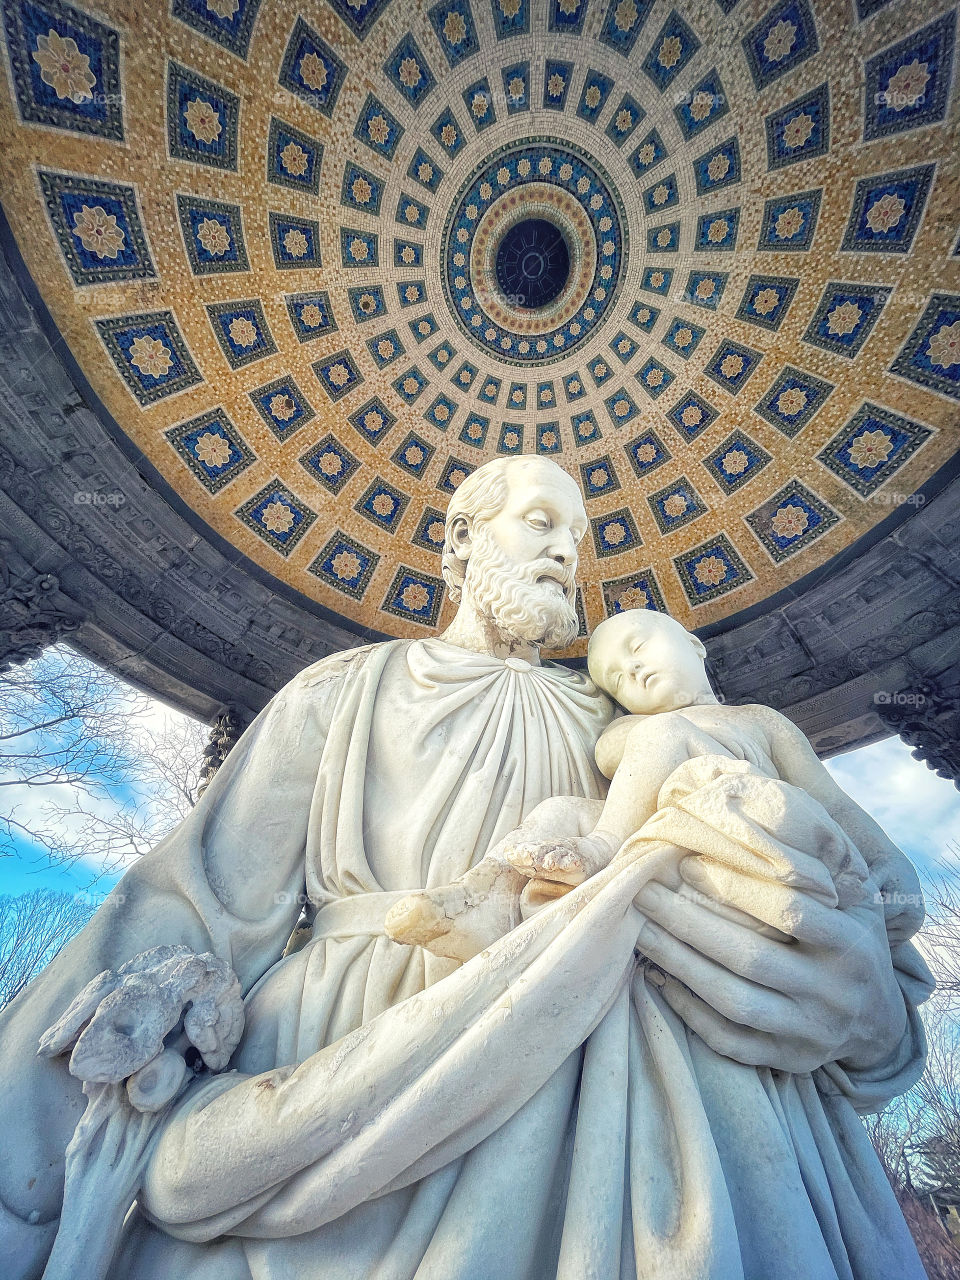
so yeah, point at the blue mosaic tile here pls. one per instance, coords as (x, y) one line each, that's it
(887, 209)
(648, 154)
(872, 447)
(413, 454)
(230, 29)
(867, 7)
(621, 407)
(717, 230)
(337, 374)
(409, 72)
(624, 347)
(441, 412)
(385, 348)
(600, 370)
(442, 356)
(549, 439)
(330, 463)
(598, 477)
(359, 15)
(556, 83)
(361, 189)
(735, 461)
(546, 395)
(661, 195)
(594, 95)
(731, 365)
(377, 128)
(511, 438)
(644, 316)
(429, 533)
(295, 242)
(478, 99)
(411, 212)
(766, 300)
(367, 303)
(98, 228)
(793, 399)
(705, 288)
(150, 354)
(516, 87)
(411, 293)
(490, 390)
(282, 406)
(277, 516)
(310, 314)
(623, 22)
(633, 591)
(676, 505)
(624, 120)
(845, 316)
(790, 520)
(510, 17)
(410, 385)
(359, 248)
(474, 430)
(615, 533)
(311, 70)
(212, 235)
(711, 570)
(455, 30)
(212, 448)
(683, 337)
(655, 377)
(65, 68)
(573, 387)
(665, 239)
(414, 596)
(718, 167)
(407, 253)
(465, 375)
(657, 279)
(202, 119)
(382, 505)
(585, 428)
(454, 474)
(789, 222)
(446, 130)
(517, 397)
(704, 104)
(425, 170)
(293, 158)
(372, 420)
(800, 130)
(672, 49)
(908, 83)
(566, 16)
(346, 565)
(691, 415)
(783, 38)
(931, 355)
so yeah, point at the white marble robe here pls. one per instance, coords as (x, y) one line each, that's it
(540, 1112)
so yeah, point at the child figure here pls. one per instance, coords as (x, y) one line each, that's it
(654, 669)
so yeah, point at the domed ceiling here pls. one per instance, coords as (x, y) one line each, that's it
(319, 263)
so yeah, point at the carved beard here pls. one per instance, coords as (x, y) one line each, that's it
(507, 591)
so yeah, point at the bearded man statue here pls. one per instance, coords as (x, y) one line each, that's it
(554, 1109)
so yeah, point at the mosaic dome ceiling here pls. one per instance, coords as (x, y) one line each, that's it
(319, 263)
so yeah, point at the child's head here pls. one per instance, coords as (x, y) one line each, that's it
(648, 662)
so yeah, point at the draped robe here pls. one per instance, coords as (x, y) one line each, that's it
(540, 1112)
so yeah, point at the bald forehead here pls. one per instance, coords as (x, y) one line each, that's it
(532, 477)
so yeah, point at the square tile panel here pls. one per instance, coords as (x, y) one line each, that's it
(717, 231)
(98, 228)
(441, 356)
(361, 189)
(150, 354)
(566, 16)
(478, 100)
(691, 415)
(295, 242)
(766, 300)
(517, 397)
(425, 327)
(662, 195)
(411, 212)
(783, 38)
(790, 222)
(594, 95)
(887, 209)
(546, 395)
(410, 385)
(676, 505)
(648, 154)
(490, 390)
(655, 377)
(441, 412)
(346, 565)
(657, 280)
(845, 316)
(510, 17)
(277, 516)
(311, 70)
(425, 170)
(663, 239)
(633, 591)
(447, 132)
(732, 364)
(511, 437)
(793, 399)
(556, 83)
(598, 477)
(702, 106)
(382, 504)
(615, 533)
(212, 448)
(372, 420)
(429, 533)
(228, 23)
(683, 337)
(623, 22)
(585, 428)
(516, 87)
(790, 520)
(367, 302)
(385, 348)
(465, 376)
(719, 167)
(338, 374)
(407, 253)
(359, 15)
(310, 314)
(414, 596)
(202, 119)
(908, 83)
(411, 292)
(711, 570)
(282, 406)
(800, 130)
(624, 347)
(624, 119)
(409, 72)
(454, 473)
(378, 129)
(413, 454)
(621, 407)
(474, 430)
(871, 447)
(736, 461)
(644, 316)
(359, 248)
(705, 288)
(549, 439)
(931, 355)
(330, 463)
(455, 30)
(294, 158)
(672, 48)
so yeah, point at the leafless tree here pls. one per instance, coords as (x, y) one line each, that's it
(33, 928)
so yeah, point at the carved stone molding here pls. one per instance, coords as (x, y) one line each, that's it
(927, 718)
(33, 611)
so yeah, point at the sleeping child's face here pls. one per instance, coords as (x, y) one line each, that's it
(648, 662)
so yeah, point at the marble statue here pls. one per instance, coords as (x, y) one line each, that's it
(655, 669)
(655, 1072)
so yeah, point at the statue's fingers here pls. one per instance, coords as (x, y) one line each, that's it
(735, 997)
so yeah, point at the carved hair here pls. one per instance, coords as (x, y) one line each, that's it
(480, 497)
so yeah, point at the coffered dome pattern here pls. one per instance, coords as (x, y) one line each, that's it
(320, 263)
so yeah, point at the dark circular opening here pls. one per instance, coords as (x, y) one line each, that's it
(533, 263)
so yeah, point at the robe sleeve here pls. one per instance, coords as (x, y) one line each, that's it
(230, 879)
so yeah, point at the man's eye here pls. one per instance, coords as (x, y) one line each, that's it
(538, 522)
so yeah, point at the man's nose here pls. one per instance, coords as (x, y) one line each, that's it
(562, 546)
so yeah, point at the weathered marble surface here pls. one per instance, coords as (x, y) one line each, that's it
(555, 1107)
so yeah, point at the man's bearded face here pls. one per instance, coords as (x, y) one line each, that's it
(528, 600)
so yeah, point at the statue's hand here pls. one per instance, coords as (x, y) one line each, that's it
(829, 994)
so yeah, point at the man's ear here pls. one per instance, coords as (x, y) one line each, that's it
(460, 538)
